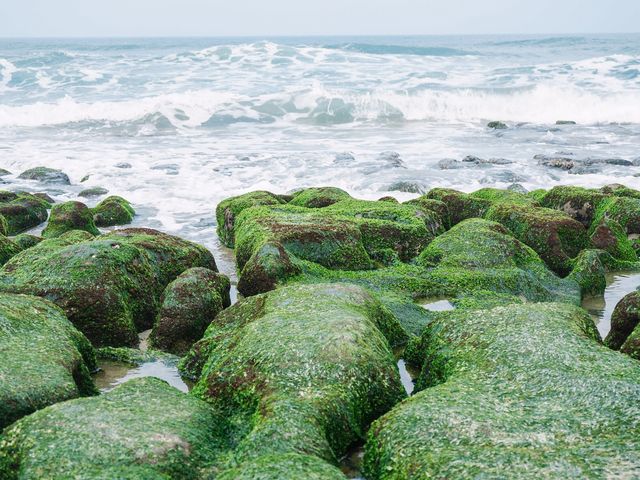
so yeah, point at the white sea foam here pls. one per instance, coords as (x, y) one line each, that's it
(7, 69)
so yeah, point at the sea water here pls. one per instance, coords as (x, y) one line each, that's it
(198, 120)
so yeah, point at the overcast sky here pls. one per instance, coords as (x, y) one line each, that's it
(312, 17)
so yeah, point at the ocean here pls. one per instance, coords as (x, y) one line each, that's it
(197, 120)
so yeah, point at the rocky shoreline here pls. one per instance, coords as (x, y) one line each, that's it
(514, 379)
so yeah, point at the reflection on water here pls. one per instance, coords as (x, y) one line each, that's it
(112, 374)
(351, 463)
(440, 304)
(601, 306)
(406, 377)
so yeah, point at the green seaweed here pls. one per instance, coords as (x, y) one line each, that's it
(44, 358)
(69, 216)
(112, 211)
(188, 305)
(513, 392)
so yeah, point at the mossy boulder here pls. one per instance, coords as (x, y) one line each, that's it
(143, 429)
(228, 210)
(44, 358)
(555, 236)
(624, 322)
(460, 205)
(189, 304)
(318, 197)
(514, 392)
(110, 286)
(301, 370)
(24, 240)
(347, 235)
(577, 202)
(69, 216)
(478, 256)
(8, 249)
(112, 211)
(619, 190)
(609, 235)
(93, 192)
(22, 211)
(45, 175)
(623, 210)
(496, 195)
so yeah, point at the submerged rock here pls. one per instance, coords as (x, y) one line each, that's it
(69, 216)
(123, 165)
(112, 211)
(301, 371)
(44, 358)
(141, 429)
(109, 286)
(189, 305)
(93, 192)
(497, 125)
(516, 392)
(45, 175)
(407, 187)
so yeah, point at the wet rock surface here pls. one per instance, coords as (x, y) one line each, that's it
(476, 293)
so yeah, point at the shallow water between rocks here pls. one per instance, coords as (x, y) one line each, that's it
(601, 307)
(113, 373)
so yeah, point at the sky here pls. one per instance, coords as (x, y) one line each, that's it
(72, 18)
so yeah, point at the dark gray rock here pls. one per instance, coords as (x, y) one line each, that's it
(392, 159)
(407, 186)
(344, 158)
(93, 192)
(123, 165)
(450, 164)
(565, 122)
(516, 187)
(552, 161)
(496, 125)
(45, 175)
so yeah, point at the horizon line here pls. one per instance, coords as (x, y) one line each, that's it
(324, 35)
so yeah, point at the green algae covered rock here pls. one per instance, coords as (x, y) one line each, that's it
(318, 197)
(24, 240)
(8, 249)
(292, 466)
(110, 286)
(555, 236)
(346, 235)
(228, 210)
(189, 304)
(460, 205)
(45, 175)
(609, 235)
(624, 334)
(520, 391)
(22, 211)
(623, 210)
(69, 216)
(495, 195)
(112, 211)
(44, 358)
(480, 256)
(577, 202)
(301, 370)
(143, 429)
